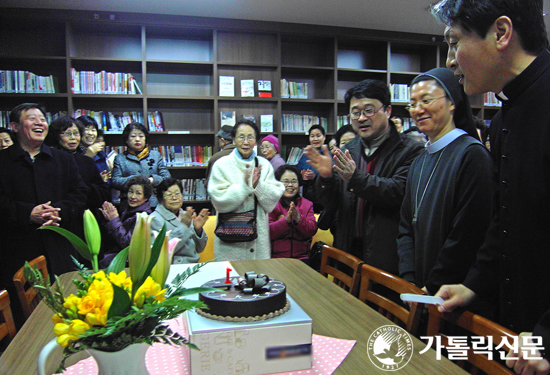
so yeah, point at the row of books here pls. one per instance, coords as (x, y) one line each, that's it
(5, 117)
(21, 81)
(302, 123)
(341, 121)
(89, 82)
(399, 92)
(297, 90)
(227, 87)
(490, 99)
(176, 156)
(195, 189)
(294, 155)
(114, 122)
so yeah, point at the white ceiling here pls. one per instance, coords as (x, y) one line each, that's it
(394, 15)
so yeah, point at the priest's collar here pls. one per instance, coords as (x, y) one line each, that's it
(444, 141)
(520, 83)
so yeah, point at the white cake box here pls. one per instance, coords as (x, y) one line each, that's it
(274, 345)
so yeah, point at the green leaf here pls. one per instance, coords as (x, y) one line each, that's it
(121, 302)
(79, 245)
(187, 292)
(155, 252)
(118, 263)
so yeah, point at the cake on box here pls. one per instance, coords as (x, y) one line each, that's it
(252, 326)
(254, 297)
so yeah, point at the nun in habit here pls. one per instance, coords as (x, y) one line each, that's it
(448, 200)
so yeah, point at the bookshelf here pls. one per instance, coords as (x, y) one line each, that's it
(177, 62)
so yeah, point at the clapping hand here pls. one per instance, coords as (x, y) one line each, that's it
(256, 176)
(187, 216)
(200, 219)
(321, 162)
(109, 211)
(106, 176)
(344, 164)
(292, 215)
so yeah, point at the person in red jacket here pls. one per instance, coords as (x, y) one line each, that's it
(292, 223)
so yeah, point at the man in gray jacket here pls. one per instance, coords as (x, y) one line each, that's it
(366, 182)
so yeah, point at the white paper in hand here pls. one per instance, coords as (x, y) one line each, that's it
(431, 300)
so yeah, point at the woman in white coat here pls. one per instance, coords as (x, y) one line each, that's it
(232, 186)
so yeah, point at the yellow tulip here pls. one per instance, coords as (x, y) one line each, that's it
(139, 252)
(65, 340)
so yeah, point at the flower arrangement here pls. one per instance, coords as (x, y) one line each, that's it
(112, 310)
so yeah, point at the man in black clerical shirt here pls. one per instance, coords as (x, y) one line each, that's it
(501, 46)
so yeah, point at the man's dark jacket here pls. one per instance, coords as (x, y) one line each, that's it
(383, 194)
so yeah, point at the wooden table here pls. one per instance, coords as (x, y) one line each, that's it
(335, 313)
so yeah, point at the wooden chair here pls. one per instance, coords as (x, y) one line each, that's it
(7, 325)
(477, 325)
(29, 297)
(397, 313)
(331, 262)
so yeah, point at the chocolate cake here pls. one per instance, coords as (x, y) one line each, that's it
(254, 297)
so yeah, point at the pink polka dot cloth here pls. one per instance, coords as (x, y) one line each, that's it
(163, 359)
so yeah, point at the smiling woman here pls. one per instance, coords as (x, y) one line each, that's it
(237, 185)
(447, 205)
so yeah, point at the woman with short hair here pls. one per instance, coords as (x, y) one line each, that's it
(138, 159)
(184, 225)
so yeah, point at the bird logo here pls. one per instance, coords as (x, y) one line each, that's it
(390, 348)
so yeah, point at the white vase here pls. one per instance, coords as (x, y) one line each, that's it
(128, 361)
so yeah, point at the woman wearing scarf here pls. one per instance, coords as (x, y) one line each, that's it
(138, 160)
(447, 206)
(241, 182)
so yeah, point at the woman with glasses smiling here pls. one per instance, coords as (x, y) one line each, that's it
(184, 225)
(292, 223)
(447, 206)
(242, 182)
(65, 134)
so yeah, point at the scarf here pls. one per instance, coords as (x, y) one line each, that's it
(141, 155)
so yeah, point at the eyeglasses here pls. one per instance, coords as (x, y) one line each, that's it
(423, 103)
(242, 138)
(171, 196)
(266, 147)
(367, 112)
(289, 182)
(70, 134)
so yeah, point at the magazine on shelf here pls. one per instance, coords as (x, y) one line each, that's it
(228, 118)
(247, 88)
(266, 122)
(227, 86)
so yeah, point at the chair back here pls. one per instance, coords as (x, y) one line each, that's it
(477, 325)
(28, 295)
(7, 325)
(331, 264)
(393, 310)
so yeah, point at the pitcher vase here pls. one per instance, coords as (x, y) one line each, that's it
(128, 361)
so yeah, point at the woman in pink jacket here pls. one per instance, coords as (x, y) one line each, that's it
(291, 223)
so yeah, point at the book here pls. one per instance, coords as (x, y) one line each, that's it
(266, 122)
(227, 86)
(228, 118)
(247, 88)
(249, 118)
(264, 89)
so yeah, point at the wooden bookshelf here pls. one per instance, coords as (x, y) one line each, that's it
(177, 62)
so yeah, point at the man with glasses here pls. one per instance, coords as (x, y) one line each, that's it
(226, 147)
(366, 182)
